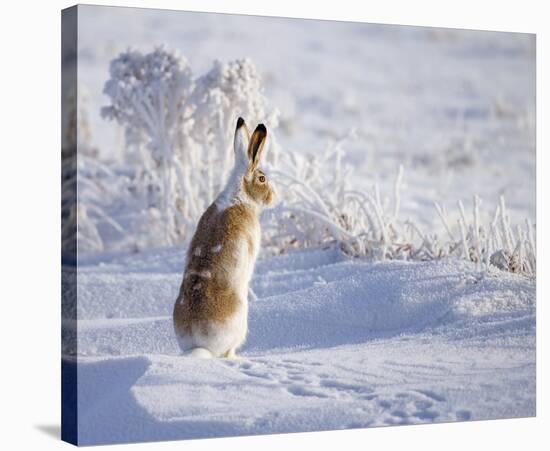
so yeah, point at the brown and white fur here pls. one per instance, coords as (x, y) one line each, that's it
(211, 311)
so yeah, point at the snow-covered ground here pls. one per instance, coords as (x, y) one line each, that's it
(334, 342)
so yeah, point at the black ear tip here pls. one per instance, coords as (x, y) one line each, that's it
(240, 122)
(261, 128)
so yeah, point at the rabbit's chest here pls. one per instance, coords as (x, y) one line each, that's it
(249, 246)
(254, 244)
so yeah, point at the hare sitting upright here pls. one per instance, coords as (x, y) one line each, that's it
(211, 311)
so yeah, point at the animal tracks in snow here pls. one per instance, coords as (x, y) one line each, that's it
(374, 389)
(307, 379)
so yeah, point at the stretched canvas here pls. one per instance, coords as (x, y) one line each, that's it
(275, 225)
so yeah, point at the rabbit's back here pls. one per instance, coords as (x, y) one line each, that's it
(219, 265)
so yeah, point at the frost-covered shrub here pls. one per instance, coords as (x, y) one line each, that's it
(319, 205)
(218, 98)
(179, 131)
(76, 225)
(228, 91)
(148, 95)
(319, 209)
(312, 208)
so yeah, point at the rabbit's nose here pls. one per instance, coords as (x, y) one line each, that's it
(274, 194)
(271, 195)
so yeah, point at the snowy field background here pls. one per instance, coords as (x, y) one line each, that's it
(334, 341)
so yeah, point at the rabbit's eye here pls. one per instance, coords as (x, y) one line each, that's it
(261, 178)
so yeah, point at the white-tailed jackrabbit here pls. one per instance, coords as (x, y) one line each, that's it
(211, 311)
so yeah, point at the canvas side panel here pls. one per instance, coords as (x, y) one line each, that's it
(69, 412)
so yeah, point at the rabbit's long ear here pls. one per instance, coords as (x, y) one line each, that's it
(241, 143)
(256, 146)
